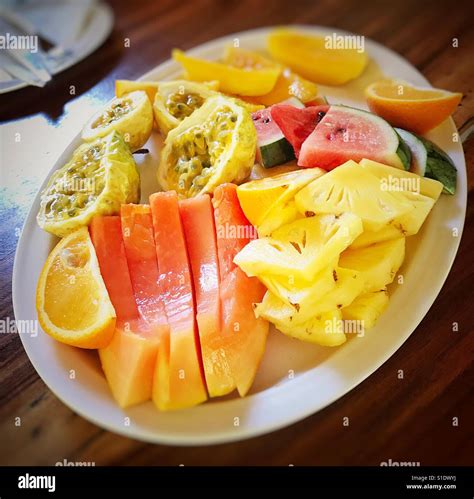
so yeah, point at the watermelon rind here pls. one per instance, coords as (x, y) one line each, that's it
(274, 149)
(403, 152)
(275, 153)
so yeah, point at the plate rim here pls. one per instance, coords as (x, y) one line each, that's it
(198, 439)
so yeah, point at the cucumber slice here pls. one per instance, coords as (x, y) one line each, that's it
(418, 151)
(440, 166)
(429, 160)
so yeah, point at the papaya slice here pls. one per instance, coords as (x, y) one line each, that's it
(243, 336)
(128, 360)
(139, 242)
(199, 229)
(179, 377)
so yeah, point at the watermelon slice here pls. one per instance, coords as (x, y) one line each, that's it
(346, 133)
(272, 147)
(297, 124)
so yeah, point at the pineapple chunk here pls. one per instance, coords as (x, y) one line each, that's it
(410, 223)
(291, 290)
(301, 248)
(403, 180)
(348, 286)
(406, 225)
(378, 263)
(369, 237)
(367, 308)
(350, 188)
(258, 198)
(325, 329)
(280, 214)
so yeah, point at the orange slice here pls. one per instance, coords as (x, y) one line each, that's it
(71, 299)
(413, 108)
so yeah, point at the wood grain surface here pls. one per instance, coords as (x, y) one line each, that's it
(409, 419)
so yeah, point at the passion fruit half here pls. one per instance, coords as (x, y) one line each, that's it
(131, 115)
(216, 144)
(178, 99)
(98, 179)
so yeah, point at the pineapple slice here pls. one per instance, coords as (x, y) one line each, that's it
(291, 290)
(350, 188)
(367, 308)
(402, 180)
(326, 329)
(281, 214)
(369, 237)
(378, 263)
(406, 225)
(348, 286)
(410, 223)
(300, 249)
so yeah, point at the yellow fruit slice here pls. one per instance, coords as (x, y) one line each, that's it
(300, 249)
(98, 179)
(348, 286)
(178, 99)
(288, 84)
(71, 300)
(309, 56)
(291, 290)
(412, 108)
(401, 180)
(279, 215)
(350, 188)
(123, 87)
(131, 115)
(216, 144)
(258, 197)
(367, 308)
(324, 329)
(231, 80)
(378, 263)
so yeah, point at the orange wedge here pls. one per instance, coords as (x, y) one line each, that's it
(71, 299)
(413, 108)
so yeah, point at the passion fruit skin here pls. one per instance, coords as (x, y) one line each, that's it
(172, 94)
(97, 180)
(131, 115)
(215, 145)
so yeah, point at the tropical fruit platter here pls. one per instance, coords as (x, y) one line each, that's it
(273, 208)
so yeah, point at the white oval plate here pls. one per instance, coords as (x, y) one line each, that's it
(295, 379)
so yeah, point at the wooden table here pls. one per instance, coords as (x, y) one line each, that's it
(401, 420)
